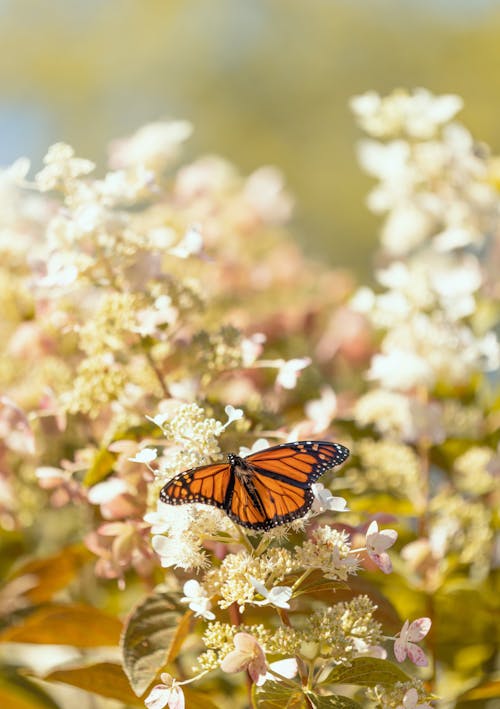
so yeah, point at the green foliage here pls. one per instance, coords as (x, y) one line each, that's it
(151, 638)
(367, 672)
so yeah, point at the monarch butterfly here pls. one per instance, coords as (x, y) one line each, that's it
(263, 490)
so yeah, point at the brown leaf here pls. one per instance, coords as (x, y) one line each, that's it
(104, 678)
(71, 624)
(52, 573)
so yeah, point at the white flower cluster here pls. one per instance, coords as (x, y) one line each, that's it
(192, 440)
(441, 206)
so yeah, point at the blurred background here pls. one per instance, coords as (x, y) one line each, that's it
(263, 81)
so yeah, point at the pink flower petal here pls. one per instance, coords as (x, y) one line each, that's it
(410, 699)
(245, 642)
(403, 633)
(419, 629)
(176, 699)
(417, 655)
(235, 661)
(158, 697)
(399, 650)
(383, 562)
(257, 670)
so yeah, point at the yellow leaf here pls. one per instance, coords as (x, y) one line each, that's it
(101, 467)
(180, 635)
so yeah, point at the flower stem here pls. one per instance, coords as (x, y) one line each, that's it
(158, 373)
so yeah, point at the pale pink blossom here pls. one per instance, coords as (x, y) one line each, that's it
(410, 634)
(168, 694)
(64, 487)
(410, 701)
(377, 543)
(121, 546)
(247, 655)
(265, 193)
(15, 428)
(251, 348)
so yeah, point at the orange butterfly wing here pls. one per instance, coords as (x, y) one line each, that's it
(207, 484)
(279, 489)
(266, 489)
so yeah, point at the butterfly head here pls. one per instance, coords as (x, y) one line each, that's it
(234, 460)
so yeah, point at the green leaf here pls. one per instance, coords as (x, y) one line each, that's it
(66, 624)
(52, 573)
(17, 692)
(333, 701)
(367, 672)
(106, 679)
(149, 633)
(101, 467)
(274, 695)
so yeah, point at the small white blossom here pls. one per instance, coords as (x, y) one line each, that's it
(284, 668)
(197, 598)
(154, 145)
(400, 369)
(289, 371)
(146, 455)
(321, 411)
(191, 244)
(251, 348)
(324, 500)
(159, 419)
(106, 491)
(277, 596)
(232, 415)
(259, 445)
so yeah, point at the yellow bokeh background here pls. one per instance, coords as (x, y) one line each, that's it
(263, 81)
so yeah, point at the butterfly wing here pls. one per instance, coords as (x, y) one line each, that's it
(300, 462)
(209, 484)
(278, 490)
(264, 503)
(273, 488)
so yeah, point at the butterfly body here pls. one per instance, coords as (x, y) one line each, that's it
(262, 490)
